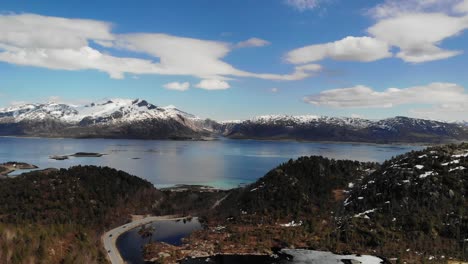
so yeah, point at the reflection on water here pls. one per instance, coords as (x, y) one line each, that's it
(130, 244)
(223, 163)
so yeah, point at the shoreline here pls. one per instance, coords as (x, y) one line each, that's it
(421, 144)
(393, 144)
(109, 238)
(10, 167)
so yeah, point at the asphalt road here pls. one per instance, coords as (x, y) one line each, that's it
(109, 238)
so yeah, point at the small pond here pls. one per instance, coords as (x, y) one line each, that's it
(131, 243)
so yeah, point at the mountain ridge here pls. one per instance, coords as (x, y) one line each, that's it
(139, 119)
(115, 118)
(397, 129)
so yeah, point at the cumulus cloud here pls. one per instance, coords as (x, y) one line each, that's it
(418, 35)
(179, 55)
(178, 86)
(253, 42)
(363, 49)
(42, 32)
(393, 8)
(440, 101)
(213, 84)
(416, 27)
(303, 5)
(461, 7)
(62, 43)
(365, 97)
(448, 112)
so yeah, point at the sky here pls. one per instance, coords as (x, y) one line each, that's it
(230, 60)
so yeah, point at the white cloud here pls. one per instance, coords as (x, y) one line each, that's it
(178, 86)
(461, 7)
(439, 101)
(303, 5)
(61, 43)
(213, 84)
(253, 42)
(43, 32)
(393, 8)
(180, 56)
(78, 59)
(274, 90)
(448, 112)
(416, 27)
(363, 49)
(418, 34)
(366, 97)
(300, 72)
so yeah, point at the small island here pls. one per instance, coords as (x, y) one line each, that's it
(77, 155)
(58, 157)
(87, 154)
(11, 166)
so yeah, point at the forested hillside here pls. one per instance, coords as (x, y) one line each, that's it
(57, 216)
(304, 186)
(416, 203)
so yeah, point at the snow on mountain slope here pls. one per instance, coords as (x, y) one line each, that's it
(306, 119)
(353, 122)
(323, 128)
(115, 110)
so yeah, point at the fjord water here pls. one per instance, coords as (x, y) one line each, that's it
(221, 163)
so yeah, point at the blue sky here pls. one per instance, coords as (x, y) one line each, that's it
(237, 59)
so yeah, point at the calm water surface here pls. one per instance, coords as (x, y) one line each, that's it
(130, 244)
(223, 163)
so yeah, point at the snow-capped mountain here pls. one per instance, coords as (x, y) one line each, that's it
(124, 118)
(115, 110)
(322, 128)
(308, 119)
(33, 119)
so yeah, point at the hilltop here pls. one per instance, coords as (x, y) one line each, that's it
(416, 202)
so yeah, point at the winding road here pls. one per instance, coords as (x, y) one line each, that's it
(109, 238)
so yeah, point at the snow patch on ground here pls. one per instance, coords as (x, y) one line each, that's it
(315, 257)
(427, 173)
(457, 168)
(292, 224)
(364, 214)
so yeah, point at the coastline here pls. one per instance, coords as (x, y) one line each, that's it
(397, 143)
(109, 238)
(11, 166)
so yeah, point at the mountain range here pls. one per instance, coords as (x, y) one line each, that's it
(139, 119)
(116, 118)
